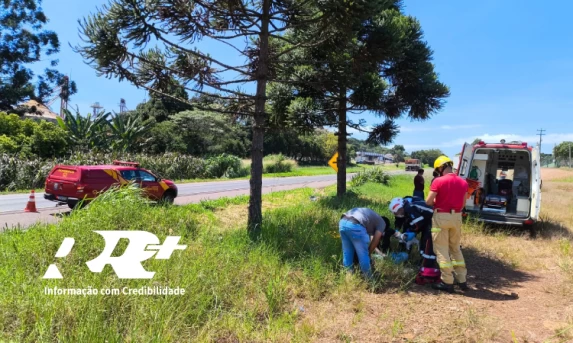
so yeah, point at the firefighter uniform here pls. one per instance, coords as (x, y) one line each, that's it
(448, 194)
(418, 218)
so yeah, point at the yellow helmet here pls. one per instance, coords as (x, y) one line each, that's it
(440, 161)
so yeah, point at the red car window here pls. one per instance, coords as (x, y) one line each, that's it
(145, 176)
(129, 174)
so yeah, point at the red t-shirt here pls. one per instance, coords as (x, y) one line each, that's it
(451, 190)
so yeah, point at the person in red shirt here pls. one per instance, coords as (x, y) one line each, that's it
(448, 194)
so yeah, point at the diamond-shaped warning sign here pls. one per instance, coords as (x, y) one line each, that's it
(333, 163)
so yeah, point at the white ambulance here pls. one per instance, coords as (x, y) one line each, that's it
(509, 176)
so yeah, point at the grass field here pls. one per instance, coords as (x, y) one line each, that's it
(309, 171)
(289, 286)
(235, 289)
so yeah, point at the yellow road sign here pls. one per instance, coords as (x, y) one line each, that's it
(333, 163)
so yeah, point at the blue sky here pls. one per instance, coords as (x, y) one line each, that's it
(509, 65)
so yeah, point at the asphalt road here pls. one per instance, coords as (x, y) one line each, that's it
(17, 202)
(12, 206)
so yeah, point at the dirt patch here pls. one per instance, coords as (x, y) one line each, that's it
(548, 174)
(521, 290)
(493, 311)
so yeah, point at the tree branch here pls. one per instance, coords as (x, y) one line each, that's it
(137, 84)
(223, 83)
(178, 73)
(194, 53)
(225, 13)
(298, 46)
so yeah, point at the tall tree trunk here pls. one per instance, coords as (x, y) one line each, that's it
(255, 201)
(341, 175)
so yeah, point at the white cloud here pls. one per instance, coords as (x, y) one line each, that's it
(414, 147)
(551, 138)
(443, 127)
(532, 140)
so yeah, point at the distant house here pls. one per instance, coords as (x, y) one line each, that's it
(373, 158)
(42, 112)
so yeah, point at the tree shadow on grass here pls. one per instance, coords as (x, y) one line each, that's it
(488, 277)
(549, 229)
(543, 229)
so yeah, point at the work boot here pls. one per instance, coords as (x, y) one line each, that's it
(443, 287)
(463, 286)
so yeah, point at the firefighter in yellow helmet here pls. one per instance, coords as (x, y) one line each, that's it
(448, 194)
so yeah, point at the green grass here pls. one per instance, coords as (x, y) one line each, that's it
(21, 191)
(236, 289)
(304, 171)
(314, 170)
(566, 179)
(297, 171)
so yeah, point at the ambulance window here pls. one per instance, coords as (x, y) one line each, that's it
(463, 167)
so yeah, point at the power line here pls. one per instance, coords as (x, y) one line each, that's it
(540, 134)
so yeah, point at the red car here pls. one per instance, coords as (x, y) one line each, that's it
(70, 184)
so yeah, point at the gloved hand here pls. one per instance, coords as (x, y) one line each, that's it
(407, 236)
(412, 242)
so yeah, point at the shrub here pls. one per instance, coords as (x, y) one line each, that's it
(28, 138)
(223, 165)
(277, 164)
(17, 173)
(376, 175)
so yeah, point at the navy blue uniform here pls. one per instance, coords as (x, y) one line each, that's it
(418, 219)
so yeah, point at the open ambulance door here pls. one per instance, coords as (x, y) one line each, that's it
(465, 159)
(535, 184)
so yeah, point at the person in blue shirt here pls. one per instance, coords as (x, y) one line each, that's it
(356, 227)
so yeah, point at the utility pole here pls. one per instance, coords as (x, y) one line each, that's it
(64, 95)
(540, 134)
(570, 154)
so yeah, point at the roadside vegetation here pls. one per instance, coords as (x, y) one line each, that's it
(29, 148)
(22, 175)
(289, 285)
(235, 289)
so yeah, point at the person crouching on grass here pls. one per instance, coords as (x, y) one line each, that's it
(355, 227)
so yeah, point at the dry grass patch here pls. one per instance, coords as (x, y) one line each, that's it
(549, 174)
(516, 250)
(557, 222)
(405, 317)
(232, 217)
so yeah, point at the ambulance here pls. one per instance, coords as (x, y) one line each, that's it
(507, 182)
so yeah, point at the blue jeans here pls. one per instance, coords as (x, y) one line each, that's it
(419, 194)
(355, 239)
